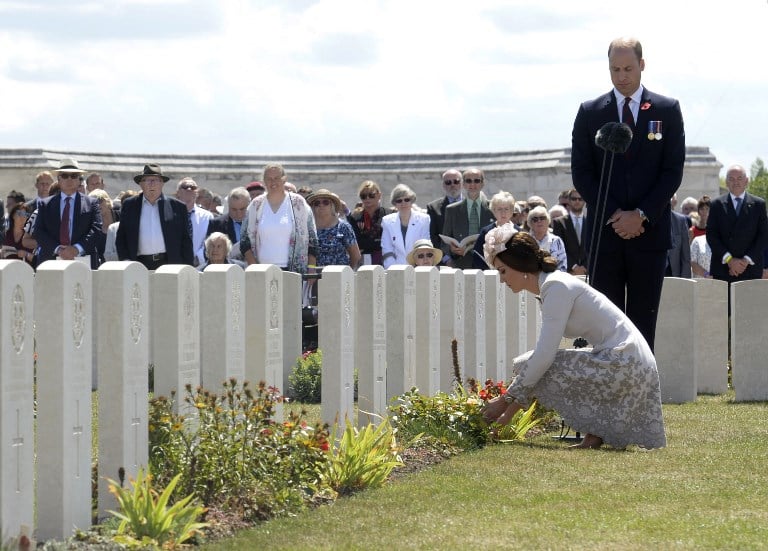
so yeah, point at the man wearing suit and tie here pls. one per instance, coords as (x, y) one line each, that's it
(231, 223)
(679, 255)
(436, 209)
(466, 217)
(570, 228)
(154, 229)
(635, 226)
(737, 231)
(68, 223)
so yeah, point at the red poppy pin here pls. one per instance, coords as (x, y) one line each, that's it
(645, 106)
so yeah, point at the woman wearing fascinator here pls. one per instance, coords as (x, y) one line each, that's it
(609, 392)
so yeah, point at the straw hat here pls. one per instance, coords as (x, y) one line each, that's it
(424, 245)
(69, 165)
(325, 194)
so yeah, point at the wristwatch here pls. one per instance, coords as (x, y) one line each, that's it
(643, 217)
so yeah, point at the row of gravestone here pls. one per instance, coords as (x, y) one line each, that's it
(394, 327)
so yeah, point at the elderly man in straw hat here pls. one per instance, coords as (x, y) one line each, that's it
(68, 224)
(424, 254)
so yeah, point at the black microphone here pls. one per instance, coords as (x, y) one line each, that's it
(614, 137)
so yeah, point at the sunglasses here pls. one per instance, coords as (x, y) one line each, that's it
(364, 196)
(402, 200)
(425, 255)
(473, 180)
(538, 218)
(187, 187)
(451, 182)
(69, 176)
(23, 213)
(576, 198)
(323, 202)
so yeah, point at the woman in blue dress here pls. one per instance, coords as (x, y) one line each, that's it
(337, 244)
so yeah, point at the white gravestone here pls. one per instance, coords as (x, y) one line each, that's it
(121, 291)
(222, 325)
(711, 336)
(264, 327)
(427, 332)
(292, 325)
(371, 344)
(175, 323)
(336, 338)
(451, 326)
(675, 341)
(515, 325)
(749, 345)
(495, 337)
(401, 319)
(474, 326)
(64, 340)
(17, 347)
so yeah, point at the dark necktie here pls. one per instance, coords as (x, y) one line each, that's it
(737, 204)
(64, 238)
(189, 223)
(474, 219)
(626, 115)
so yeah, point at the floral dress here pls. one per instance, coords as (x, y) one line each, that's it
(610, 390)
(333, 243)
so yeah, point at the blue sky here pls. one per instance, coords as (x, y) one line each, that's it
(366, 76)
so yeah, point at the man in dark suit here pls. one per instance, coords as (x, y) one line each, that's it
(737, 231)
(436, 209)
(231, 223)
(679, 255)
(68, 223)
(628, 266)
(466, 217)
(154, 229)
(570, 228)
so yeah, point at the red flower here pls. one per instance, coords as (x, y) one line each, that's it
(645, 106)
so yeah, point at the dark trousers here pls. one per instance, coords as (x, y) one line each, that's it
(632, 280)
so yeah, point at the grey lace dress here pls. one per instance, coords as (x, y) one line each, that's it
(610, 390)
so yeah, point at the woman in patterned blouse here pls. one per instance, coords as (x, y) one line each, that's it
(336, 239)
(366, 222)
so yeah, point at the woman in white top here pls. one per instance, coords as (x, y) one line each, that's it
(538, 222)
(610, 391)
(279, 227)
(401, 229)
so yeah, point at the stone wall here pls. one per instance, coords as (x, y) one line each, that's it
(523, 173)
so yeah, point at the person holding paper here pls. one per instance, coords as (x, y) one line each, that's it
(466, 218)
(401, 229)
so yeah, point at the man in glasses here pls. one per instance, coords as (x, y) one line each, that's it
(68, 224)
(199, 218)
(464, 219)
(436, 209)
(570, 228)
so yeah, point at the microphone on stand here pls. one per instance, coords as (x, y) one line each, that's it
(613, 137)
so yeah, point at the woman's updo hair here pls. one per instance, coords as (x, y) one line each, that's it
(522, 253)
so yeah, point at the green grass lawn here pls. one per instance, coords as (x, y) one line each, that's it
(707, 490)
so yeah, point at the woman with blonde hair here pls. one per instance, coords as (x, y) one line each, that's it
(610, 392)
(366, 219)
(401, 229)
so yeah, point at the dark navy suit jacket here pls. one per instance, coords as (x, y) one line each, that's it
(86, 227)
(645, 177)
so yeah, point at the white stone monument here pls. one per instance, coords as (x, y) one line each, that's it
(427, 330)
(264, 327)
(710, 339)
(121, 291)
(63, 335)
(292, 325)
(749, 346)
(674, 348)
(515, 325)
(175, 326)
(17, 437)
(401, 321)
(451, 326)
(495, 337)
(222, 325)
(371, 344)
(474, 326)
(336, 338)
